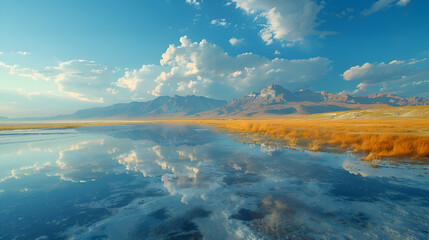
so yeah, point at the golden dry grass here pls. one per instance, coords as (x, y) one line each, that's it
(375, 139)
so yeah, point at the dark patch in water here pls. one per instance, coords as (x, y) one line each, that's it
(247, 215)
(357, 219)
(186, 236)
(285, 229)
(351, 187)
(244, 178)
(154, 193)
(197, 212)
(160, 214)
(181, 227)
(100, 237)
(30, 215)
(357, 188)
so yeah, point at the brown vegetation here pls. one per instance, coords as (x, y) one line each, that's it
(375, 139)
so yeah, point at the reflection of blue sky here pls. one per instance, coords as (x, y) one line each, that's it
(154, 181)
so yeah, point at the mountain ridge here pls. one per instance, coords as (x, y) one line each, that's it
(273, 100)
(163, 105)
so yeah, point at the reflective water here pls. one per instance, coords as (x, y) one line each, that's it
(189, 182)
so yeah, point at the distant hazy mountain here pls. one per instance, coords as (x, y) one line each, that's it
(3, 118)
(276, 100)
(161, 106)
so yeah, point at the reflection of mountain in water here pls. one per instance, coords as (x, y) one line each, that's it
(163, 135)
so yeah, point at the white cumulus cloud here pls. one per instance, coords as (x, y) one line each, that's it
(81, 79)
(397, 75)
(132, 79)
(287, 21)
(235, 41)
(203, 68)
(196, 3)
(219, 22)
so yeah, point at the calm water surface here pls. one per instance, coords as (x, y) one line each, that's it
(189, 182)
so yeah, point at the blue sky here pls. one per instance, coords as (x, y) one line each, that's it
(61, 56)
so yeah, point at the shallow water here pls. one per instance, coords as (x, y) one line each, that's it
(189, 182)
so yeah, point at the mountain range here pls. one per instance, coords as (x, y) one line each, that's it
(163, 106)
(273, 100)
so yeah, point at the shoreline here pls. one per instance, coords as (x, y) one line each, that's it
(374, 138)
(66, 124)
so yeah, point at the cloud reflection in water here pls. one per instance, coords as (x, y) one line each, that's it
(158, 181)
